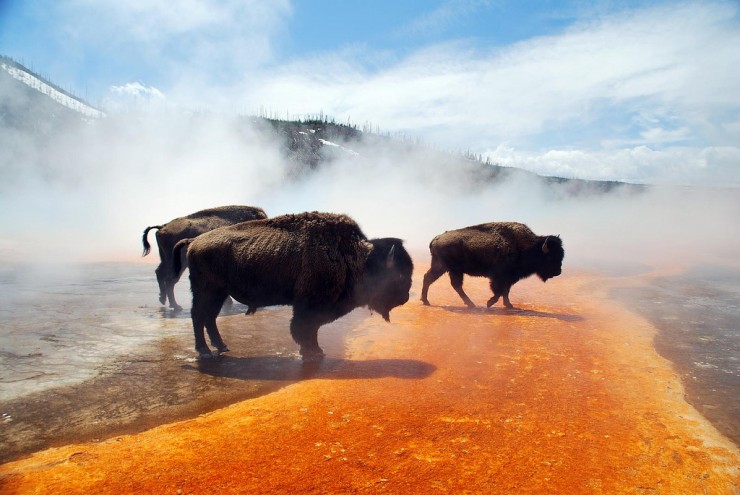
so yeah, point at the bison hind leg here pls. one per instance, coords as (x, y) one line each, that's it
(436, 270)
(161, 276)
(206, 307)
(430, 277)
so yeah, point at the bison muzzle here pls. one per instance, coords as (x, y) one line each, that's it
(321, 264)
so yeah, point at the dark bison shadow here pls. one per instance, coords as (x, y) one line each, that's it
(287, 368)
(514, 311)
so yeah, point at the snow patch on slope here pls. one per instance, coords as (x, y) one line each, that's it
(51, 92)
(329, 143)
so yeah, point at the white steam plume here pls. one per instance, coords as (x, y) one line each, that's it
(92, 190)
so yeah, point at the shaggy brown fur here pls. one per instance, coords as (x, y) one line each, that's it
(187, 227)
(505, 252)
(320, 263)
(488, 241)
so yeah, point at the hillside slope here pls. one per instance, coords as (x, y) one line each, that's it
(35, 108)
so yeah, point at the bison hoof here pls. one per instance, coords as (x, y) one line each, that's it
(313, 357)
(222, 348)
(204, 353)
(162, 299)
(425, 302)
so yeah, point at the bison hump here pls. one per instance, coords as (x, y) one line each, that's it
(317, 225)
(499, 237)
(229, 211)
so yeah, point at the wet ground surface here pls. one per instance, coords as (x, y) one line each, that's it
(86, 356)
(563, 395)
(697, 314)
(62, 324)
(160, 381)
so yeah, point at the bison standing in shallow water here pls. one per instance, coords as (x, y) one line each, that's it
(320, 263)
(505, 252)
(190, 226)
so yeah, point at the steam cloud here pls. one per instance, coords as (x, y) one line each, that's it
(89, 192)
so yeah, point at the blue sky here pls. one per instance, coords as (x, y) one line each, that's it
(643, 91)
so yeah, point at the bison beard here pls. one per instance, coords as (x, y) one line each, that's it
(188, 227)
(319, 263)
(505, 252)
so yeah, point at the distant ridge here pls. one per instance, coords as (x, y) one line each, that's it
(34, 106)
(25, 75)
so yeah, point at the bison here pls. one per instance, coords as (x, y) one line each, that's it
(188, 227)
(505, 252)
(321, 264)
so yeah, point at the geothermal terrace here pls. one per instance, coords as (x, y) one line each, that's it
(564, 395)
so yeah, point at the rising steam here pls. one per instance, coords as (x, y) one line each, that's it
(88, 192)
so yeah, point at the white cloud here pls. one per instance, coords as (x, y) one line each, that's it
(134, 96)
(710, 166)
(654, 77)
(661, 77)
(176, 40)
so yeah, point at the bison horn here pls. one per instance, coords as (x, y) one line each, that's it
(390, 259)
(544, 246)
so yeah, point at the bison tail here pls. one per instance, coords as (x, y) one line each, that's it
(145, 241)
(176, 254)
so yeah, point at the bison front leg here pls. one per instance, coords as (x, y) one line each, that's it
(304, 328)
(498, 291)
(456, 279)
(507, 303)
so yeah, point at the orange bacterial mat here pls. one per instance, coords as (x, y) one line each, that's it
(564, 395)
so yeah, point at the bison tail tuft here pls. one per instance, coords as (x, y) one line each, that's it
(145, 241)
(176, 256)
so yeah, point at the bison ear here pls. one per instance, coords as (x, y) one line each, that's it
(544, 245)
(390, 260)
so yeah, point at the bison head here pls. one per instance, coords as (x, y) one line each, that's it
(551, 256)
(387, 278)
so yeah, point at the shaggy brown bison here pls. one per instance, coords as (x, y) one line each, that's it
(187, 227)
(505, 252)
(319, 263)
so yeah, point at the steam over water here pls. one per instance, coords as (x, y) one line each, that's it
(61, 325)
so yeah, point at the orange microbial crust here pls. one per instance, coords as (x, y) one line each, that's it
(565, 395)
